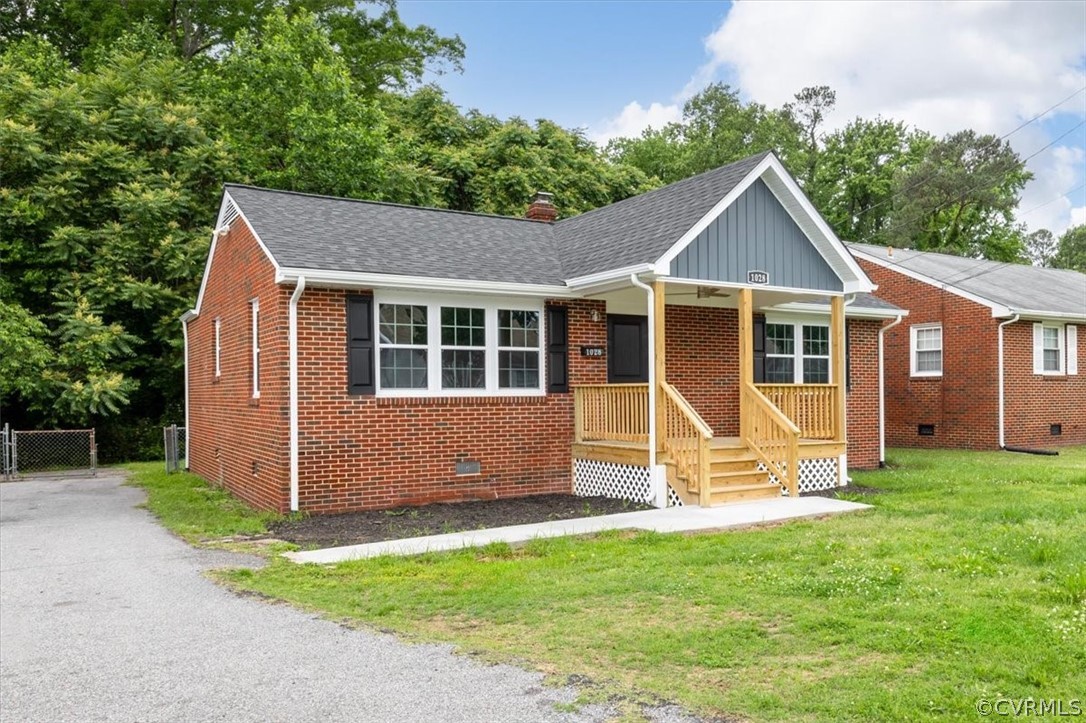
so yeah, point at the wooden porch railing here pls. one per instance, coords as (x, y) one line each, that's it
(685, 439)
(611, 413)
(811, 406)
(772, 436)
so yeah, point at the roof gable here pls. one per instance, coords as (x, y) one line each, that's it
(1006, 288)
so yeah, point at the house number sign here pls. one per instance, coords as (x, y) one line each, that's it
(591, 351)
(758, 277)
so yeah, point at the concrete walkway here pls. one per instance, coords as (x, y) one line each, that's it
(672, 519)
(106, 616)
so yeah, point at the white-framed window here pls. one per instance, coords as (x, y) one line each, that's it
(797, 352)
(926, 350)
(218, 347)
(255, 305)
(1049, 349)
(436, 345)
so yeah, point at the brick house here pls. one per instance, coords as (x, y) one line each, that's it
(990, 356)
(685, 346)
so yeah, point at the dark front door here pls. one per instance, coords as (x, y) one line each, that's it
(627, 349)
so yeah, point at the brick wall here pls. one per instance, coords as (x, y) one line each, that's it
(963, 403)
(1033, 402)
(862, 403)
(702, 357)
(236, 440)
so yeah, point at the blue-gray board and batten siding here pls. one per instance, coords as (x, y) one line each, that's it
(755, 233)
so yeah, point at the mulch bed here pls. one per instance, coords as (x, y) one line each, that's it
(354, 528)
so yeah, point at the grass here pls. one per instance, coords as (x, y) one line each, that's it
(967, 581)
(193, 509)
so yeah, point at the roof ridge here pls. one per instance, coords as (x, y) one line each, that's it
(718, 169)
(383, 203)
(976, 261)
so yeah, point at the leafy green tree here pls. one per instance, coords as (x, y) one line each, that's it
(24, 352)
(110, 183)
(288, 109)
(1041, 246)
(856, 175)
(960, 199)
(380, 49)
(1071, 250)
(808, 111)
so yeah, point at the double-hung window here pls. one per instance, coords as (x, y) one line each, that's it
(255, 303)
(789, 362)
(455, 346)
(1054, 349)
(926, 350)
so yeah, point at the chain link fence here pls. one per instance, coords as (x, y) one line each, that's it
(173, 440)
(49, 451)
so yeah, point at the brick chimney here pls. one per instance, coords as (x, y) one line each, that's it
(542, 208)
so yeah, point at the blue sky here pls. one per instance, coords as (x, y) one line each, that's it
(614, 67)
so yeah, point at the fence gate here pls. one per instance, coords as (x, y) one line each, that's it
(49, 452)
(173, 442)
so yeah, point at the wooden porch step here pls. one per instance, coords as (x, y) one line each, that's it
(724, 480)
(739, 464)
(744, 493)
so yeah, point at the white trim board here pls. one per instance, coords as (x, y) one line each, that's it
(793, 200)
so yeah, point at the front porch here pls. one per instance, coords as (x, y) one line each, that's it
(772, 439)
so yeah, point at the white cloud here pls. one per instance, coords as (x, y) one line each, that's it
(941, 67)
(1078, 215)
(633, 119)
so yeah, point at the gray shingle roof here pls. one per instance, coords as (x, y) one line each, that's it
(336, 234)
(1016, 286)
(642, 228)
(870, 301)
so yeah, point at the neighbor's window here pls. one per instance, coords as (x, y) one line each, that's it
(926, 350)
(1052, 349)
(463, 348)
(518, 349)
(256, 347)
(402, 341)
(218, 347)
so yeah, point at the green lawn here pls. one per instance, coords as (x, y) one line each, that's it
(193, 509)
(967, 580)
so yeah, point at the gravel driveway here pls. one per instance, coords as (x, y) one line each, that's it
(106, 616)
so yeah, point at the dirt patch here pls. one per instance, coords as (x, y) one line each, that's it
(355, 528)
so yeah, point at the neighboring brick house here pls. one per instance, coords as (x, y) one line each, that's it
(347, 354)
(991, 355)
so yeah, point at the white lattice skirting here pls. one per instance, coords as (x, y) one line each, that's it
(819, 473)
(617, 481)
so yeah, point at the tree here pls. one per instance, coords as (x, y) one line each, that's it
(380, 50)
(1071, 250)
(960, 199)
(294, 119)
(808, 111)
(110, 186)
(855, 177)
(1041, 246)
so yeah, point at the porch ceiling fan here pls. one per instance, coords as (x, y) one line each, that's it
(702, 292)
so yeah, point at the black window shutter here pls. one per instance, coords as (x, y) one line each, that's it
(557, 349)
(360, 367)
(759, 349)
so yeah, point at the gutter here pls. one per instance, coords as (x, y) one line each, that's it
(659, 489)
(292, 341)
(882, 389)
(1013, 319)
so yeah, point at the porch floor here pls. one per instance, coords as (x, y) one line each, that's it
(671, 519)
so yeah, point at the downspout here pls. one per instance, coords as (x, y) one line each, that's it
(882, 391)
(185, 336)
(1011, 320)
(292, 341)
(660, 490)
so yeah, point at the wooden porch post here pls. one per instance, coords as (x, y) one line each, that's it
(660, 361)
(837, 349)
(746, 356)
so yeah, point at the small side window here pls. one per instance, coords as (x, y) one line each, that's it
(256, 347)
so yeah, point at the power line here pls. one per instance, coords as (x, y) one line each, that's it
(1050, 201)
